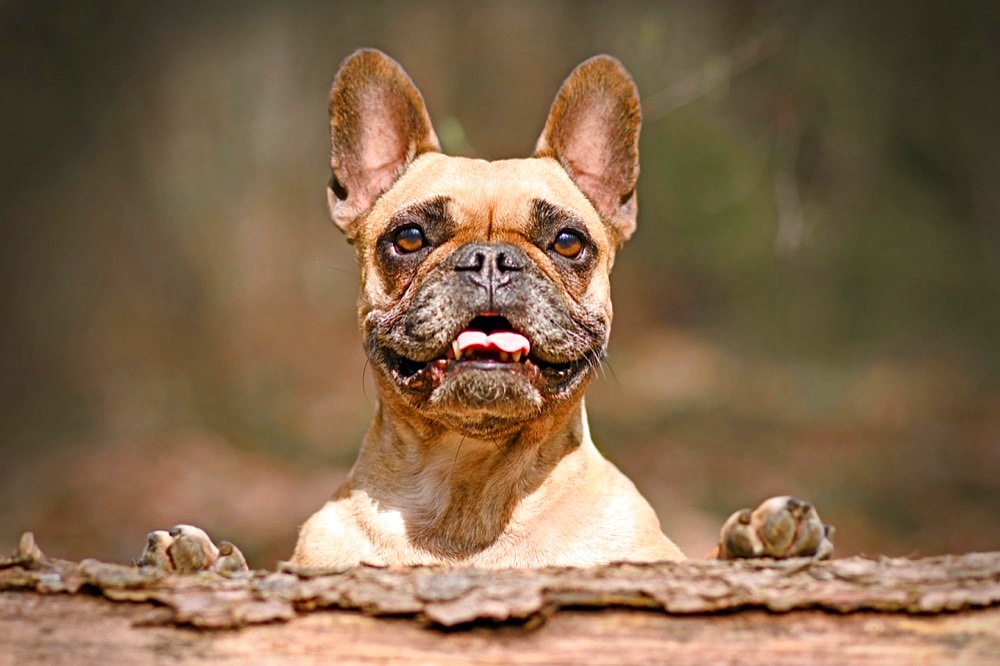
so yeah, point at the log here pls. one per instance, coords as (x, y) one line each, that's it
(853, 610)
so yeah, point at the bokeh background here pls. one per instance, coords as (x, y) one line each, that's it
(811, 304)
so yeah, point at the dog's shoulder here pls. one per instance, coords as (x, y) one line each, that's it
(331, 538)
(626, 522)
(602, 516)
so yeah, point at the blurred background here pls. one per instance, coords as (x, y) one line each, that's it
(811, 304)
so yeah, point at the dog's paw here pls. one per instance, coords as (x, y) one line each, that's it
(188, 549)
(780, 527)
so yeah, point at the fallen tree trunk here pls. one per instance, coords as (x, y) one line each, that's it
(855, 610)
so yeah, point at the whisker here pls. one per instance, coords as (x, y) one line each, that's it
(614, 377)
(500, 449)
(334, 267)
(455, 461)
(595, 362)
(597, 365)
(364, 388)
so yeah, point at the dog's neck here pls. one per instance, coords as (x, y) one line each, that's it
(456, 493)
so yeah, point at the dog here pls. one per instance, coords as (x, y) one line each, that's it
(485, 311)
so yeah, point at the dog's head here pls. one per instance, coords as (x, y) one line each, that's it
(484, 285)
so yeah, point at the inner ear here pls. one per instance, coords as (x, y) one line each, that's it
(593, 132)
(378, 126)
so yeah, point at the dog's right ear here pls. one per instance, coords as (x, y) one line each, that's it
(378, 126)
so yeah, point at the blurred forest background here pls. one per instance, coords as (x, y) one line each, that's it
(811, 304)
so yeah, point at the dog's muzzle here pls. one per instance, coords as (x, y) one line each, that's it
(487, 331)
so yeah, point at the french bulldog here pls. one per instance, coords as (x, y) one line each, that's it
(485, 311)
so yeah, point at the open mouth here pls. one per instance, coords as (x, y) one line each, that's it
(489, 338)
(487, 342)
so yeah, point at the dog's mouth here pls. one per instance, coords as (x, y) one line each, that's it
(487, 342)
(489, 339)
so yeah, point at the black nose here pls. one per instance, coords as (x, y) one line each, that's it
(490, 267)
(487, 258)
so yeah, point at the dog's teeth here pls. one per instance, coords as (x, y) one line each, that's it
(516, 356)
(504, 356)
(455, 350)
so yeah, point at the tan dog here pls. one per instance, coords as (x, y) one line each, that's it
(485, 310)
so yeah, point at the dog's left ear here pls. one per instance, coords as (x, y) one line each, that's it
(593, 131)
(378, 126)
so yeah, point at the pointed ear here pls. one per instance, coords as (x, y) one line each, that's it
(378, 126)
(593, 131)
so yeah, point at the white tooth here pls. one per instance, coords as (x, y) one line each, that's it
(516, 356)
(456, 350)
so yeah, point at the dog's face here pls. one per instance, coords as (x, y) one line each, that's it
(484, 289)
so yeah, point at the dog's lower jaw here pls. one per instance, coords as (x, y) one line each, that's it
(485, 403)
(416, 498)
(484, 399)
(493, 404)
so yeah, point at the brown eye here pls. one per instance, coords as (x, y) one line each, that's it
(568, 244)
(409, 239)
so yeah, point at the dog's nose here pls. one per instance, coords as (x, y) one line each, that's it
(485, 258)
(490, 267)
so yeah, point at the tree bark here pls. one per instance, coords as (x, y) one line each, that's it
(854, 610)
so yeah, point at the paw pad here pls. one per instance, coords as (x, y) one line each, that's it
(780, 527)
(188, 549)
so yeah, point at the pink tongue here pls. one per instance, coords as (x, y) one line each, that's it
(505, 341)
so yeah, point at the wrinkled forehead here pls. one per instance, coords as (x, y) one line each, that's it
(485, 197)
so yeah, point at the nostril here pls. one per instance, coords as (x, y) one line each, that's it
(475, 263)
(483, 257)
(505, 263)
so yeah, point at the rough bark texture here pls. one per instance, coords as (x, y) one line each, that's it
(856, 610)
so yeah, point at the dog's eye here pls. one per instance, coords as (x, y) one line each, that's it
(568, 244)
(409, 239)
